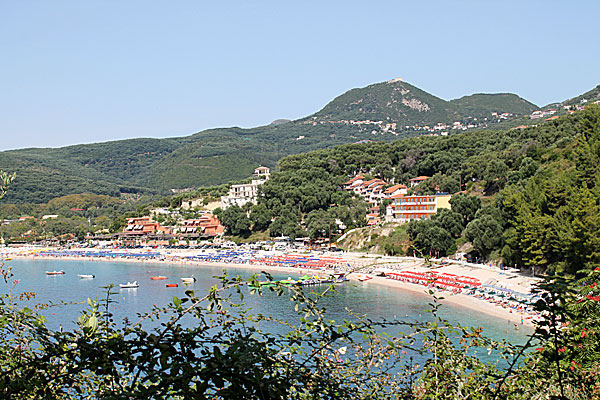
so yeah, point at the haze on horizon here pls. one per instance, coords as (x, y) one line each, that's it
(82, 72)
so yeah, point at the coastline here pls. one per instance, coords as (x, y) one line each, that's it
(459, 299)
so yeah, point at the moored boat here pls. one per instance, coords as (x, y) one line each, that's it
(172, 285)
(86, 276)
(189, 280)
(61, 272)
(158, 278)
(129, 285)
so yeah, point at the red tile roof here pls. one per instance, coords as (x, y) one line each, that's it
(394, 188)
(357, 177)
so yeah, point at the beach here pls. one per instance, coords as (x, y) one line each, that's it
(357, 267)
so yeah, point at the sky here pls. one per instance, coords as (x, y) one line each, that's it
(92, 71)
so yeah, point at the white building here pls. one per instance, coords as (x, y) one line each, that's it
(245, 192)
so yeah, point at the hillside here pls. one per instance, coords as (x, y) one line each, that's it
(382, 112)
(533, 193)
(411, 108)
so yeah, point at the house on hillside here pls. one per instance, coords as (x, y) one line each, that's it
(262, 172)
(245, 192)
(206, 227)
(395, 190)
(416, 181)
(408, 208)
(357, 180)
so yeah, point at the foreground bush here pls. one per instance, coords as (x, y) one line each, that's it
(225, 354)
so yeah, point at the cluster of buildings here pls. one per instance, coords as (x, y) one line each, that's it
(144, 230)
(147, 231)
(395, 128)
(401, 208)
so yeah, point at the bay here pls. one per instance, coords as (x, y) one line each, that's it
(377, 302)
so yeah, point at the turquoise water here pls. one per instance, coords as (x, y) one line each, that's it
(376, 301)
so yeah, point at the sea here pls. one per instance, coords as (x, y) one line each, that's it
(375, 302)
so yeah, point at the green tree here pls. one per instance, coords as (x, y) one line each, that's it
(430, 238)
(466, 205)
(320, 223)
(236, 221)
(485, 233)
(449, 220)
(260, 217)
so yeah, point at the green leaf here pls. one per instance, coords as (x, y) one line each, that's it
(176, 301)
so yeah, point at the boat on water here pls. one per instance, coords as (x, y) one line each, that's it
(61, 272)
(191, 279)
(158, 278)
(172, 285)
(305, 280)
(129, 285)
(86, 276)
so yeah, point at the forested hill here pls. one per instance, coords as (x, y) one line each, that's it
(411, 108)
(381, 112)
(534, 193)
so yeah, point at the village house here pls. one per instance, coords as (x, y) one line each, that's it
(373, 190)
(395, 190)
(357, 180)
(416, 181)
(262, 172)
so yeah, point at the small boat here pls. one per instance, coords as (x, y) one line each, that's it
(171, 285)
(61, 272)
(86, 276)
(129, 285)
(363, 278)
(158, 278)
(189, 280)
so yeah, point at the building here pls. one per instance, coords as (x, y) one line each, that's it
(395, 190)
(263, 172)
(140, 230)
(245, 192)
(408, 208)
(416, 181)
(357, 180)
(206, 227)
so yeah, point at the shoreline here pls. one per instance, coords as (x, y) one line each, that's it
(460, 299)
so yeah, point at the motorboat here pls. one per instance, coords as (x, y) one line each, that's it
(171, 285)
(191, 279)
(129, 285)
(158, 278)
(61, 272)
(86, 276)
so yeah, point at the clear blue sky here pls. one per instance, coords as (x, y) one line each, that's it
(91, 71)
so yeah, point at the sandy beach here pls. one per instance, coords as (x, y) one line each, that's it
(364, 266)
